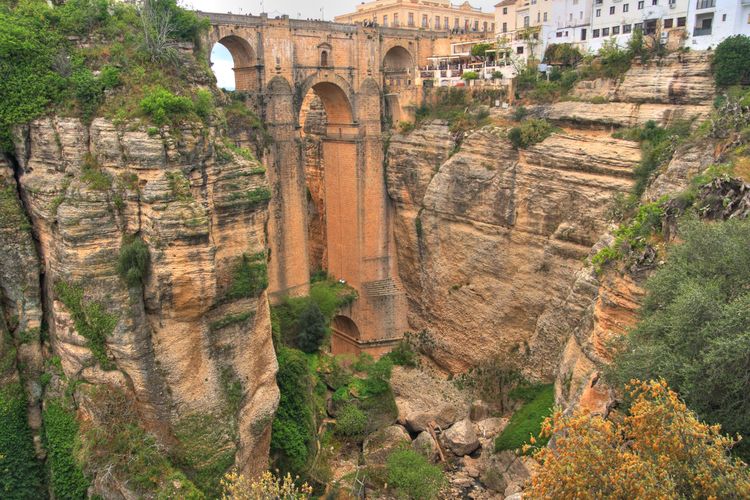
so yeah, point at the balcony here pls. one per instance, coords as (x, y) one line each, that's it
(705, 4)
(701, 31)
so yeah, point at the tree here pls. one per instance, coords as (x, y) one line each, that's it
(731, 62)
(312, 328)
(480, 49)
(695, 325)
(658, 450)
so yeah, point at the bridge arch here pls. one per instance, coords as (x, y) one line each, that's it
(245, 62)
(345, 335)
(397, 58)
(337, 96)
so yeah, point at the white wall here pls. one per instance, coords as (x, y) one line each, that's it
(730, 17)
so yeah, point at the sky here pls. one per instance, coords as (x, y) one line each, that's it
(300, 9)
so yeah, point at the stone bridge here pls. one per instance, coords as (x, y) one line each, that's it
(293, 66)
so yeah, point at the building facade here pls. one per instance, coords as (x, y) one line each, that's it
(436, 15)
(711, 21)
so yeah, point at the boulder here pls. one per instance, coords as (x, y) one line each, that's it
(380, 444)
(421, 399)
(426, 445)
(490, 427)
(461, 438)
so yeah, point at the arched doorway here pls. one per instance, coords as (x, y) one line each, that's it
(345, 335)
(245, 65)
(397, 59)
(398, 75)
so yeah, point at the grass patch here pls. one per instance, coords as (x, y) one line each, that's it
(20, 472)
(249, 276)
(230, 319)
(527, 421)
(90, 319)
(61, 440)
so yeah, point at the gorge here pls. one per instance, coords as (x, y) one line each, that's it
(158, 250)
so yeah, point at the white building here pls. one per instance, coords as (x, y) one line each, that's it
(571, 21)
(617, 19)
(711, 21)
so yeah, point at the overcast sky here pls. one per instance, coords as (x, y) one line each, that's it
(301, 9)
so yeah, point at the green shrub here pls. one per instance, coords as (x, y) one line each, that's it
(529, 133)
(350, 421)
(404, 127)
(90, 319)
(480, 49)
(563, 54)
(133, 262)
(249, 276)
(204, 103)
(497, 75)
(312, 328)
(61, 437)
(293, 430)
(403, 354)
(527, 421)
(20, 472)
(378, 377)
(615, 61)
(89, 92)
(162, 106)
(469, 75)
(258, 195)
(520, 113)
(731, 61)
(413, 477)
(693, 329)
(110, 77)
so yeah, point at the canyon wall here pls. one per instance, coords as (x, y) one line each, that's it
(492, 241)
(190, 345)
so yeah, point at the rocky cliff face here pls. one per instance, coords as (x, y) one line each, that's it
(492, 241)
(191, 345)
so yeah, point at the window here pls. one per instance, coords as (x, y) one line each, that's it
(570, 17)
(681, 21)
(559, 34)
(505, 27)
(411, 18)
(437, 22)
(583, 34)
(626, 28)
(612, 10)
(324, 58)
(446, 23)
(505, 10)
(455, 23)
(654, 2)
(476, 25)
(595, 34)
(395, 18)
(545, 17)
(640, 5)
(538, 16)
(668, 23)
(519, 49)
(484, 26)
(605, 31)
(615, 30)
(424, 20)
(525, 21)
(580, 15)
(385, 20)
(625, 7)
(638, 26)
(723, 17)
(492, 28)
(598, 12)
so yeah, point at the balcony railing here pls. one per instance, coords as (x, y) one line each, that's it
(701, 31)
(705, 4)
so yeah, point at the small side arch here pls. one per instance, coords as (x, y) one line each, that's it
(337, 95)
(244, 60)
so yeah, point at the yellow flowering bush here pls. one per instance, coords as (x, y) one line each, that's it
(659, 449)
(266, 487)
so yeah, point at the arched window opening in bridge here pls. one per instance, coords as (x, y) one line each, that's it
(324, 59)
(234, 64)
